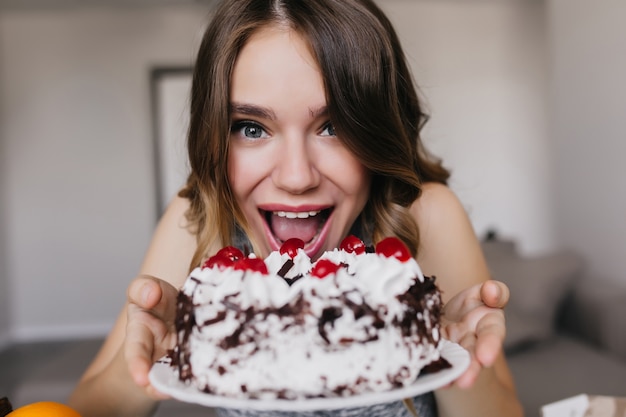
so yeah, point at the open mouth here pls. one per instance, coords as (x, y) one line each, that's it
(304, 225)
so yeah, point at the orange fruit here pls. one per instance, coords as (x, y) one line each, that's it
(44, 409)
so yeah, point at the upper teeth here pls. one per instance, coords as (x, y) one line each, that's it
(296, 215)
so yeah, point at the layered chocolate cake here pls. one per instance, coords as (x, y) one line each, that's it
(359, 319)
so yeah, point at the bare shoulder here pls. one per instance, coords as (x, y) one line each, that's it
(436, 197)
(448, 248)
(438, 211)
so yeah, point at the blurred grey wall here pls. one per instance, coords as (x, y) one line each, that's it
(5, 292)
(79, 199)
(588, 130)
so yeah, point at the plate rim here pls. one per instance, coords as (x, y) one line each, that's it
(164, 378)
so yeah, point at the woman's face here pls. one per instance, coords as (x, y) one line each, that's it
(290, 174)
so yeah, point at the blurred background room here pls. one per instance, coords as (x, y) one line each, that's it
(528, 109)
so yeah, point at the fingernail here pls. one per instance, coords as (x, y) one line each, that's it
(145, 293)
(498, 291)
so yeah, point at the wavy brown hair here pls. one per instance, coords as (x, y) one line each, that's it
(371, 97)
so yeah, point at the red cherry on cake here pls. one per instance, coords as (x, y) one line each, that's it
(352, 244)
(251, 264)
(230, 252)
(392, 247)
(218, 260)
(291, 246)
(324, 267)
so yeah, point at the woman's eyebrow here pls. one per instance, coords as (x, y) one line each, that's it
(319, 112)
(252, 110)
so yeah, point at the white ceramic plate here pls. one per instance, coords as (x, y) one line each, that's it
(165, 378)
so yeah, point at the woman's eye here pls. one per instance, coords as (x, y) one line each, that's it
(328, 130)
(249, 130)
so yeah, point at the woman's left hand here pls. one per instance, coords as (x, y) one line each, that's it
(474, 318)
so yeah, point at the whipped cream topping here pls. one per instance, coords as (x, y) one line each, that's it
(301, 264)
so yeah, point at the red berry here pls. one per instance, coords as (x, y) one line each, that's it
(291, 246)
(352, 244)
(230, 252)
(324, 267)
(251, 264)
(218, 260)
(393, 247)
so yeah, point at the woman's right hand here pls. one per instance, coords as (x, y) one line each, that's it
(150, 330)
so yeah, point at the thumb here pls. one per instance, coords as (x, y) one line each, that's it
(155, 295)
(144, 291)
(494, 294)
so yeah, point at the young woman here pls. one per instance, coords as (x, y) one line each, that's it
(307, 107)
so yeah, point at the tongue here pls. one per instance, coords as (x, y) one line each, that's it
(303, 229)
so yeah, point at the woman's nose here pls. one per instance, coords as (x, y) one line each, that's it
(295, 170)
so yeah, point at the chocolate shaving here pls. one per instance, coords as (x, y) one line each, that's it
(290, 281)
(285, 268)
(436, 366)
(329, 315)
(184, 323)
